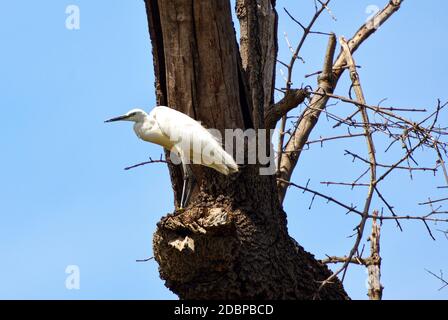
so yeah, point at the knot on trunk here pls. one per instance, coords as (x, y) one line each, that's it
(194, 249)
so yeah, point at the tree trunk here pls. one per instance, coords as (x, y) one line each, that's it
(232, 241)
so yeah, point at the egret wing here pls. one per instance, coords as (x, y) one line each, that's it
(192, 140)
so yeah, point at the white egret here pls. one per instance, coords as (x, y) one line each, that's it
(175, 131)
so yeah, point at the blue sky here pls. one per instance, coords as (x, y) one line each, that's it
(66, 200)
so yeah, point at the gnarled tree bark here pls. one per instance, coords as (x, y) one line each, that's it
(232, 241)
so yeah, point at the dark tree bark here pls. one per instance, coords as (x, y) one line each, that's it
(232, 241)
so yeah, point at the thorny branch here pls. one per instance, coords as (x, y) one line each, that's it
(290, 67)
(410, 135)
(287, 160)
(372, 263)
(432, 216)
(372, 164)
(275, 112)
(150, 161)
(440, 277)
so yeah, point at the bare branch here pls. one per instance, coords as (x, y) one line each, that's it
(346, 136)
(150, 161)
(441, 162)
(334, 260)
(374, 262)
(385, 112)
(428, 217)
(309, 120)
(306, 32)
(275, 112)
(345, 184)
(366, 30)
(328, 198)
(319, 72)
(433, 201)
(287, 161)
(391, 209)
(355, 156)
(144, 260)
(372, 164)
(440, 277)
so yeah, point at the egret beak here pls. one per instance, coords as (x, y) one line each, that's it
(117, 118)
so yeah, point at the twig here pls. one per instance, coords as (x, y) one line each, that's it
(345, 184)
(391, 209)
(320, 71)
(432, 201)
(334, 260)
(144, 260)
(328, 198)
(395, 166)
(147, 162)
(442, 162)
(321, 140)
(440, 277)
(291, 100)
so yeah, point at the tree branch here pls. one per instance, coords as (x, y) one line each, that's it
(354, 260)
(290, 67)
(275, 112)
(374, 262)
(287, 160)
(440, 277)
(150, 161)
(305, 126)
(258, 50)
(356, 83)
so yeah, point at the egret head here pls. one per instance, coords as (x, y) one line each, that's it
(134, 115)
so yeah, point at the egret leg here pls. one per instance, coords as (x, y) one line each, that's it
(183, 193)
(186, 189)
(189, 188)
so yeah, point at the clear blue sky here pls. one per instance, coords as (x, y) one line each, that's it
(65, 199)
